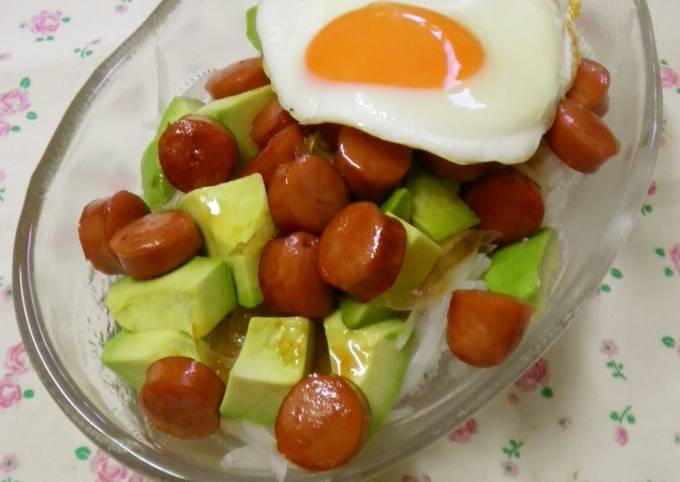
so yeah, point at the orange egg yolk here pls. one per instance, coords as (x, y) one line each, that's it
(395, 45)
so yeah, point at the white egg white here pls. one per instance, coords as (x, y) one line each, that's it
(499, 114)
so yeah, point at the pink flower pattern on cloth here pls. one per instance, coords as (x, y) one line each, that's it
(464, 433)
(537, 375)
(8, 464)
(4, 127)
(674, 254)
(16, 360)
(46, 22)
(10, 392)
(108, 470)
(669, 78)
(13, 101)
(621, 436)
(609, 348)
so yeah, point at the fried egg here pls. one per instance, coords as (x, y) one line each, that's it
(469, 80)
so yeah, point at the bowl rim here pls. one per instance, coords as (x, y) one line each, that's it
(106, 434)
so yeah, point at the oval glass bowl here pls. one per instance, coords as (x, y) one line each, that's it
(96, 151)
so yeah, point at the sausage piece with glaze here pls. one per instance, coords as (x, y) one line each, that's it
(508, 202)
(372, 167)
(271, 120)
(289, 279)
(451, 171)
(322, 422)
(590, 86)
(156, 243)
(103, 218)
(305, 194)
(181, 397)
(237, 78)
(197, 151)
(284, 147)
(580, 138)
(484, 328)
(361, 251)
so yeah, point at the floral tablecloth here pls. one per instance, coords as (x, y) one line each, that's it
(602, 406)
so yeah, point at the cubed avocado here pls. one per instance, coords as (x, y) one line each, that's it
(155, 187)
(192, 299)
(357, 315)
(421, 255)
(438, 211)
(373, 358)
(235, 222)
(276, 354)
(129, 354)
(524, 269)
(236, 113)
(400, 204)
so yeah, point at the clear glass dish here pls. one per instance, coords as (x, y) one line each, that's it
(96, 150)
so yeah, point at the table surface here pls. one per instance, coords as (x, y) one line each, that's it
(601, 406)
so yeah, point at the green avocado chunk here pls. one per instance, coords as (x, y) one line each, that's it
(236, 113)
(129, 354)
(276, 354)
(156, 189)
(357, 315)
(372, 358)
(524, 269)
(419, 259)
(400, 204)
(236, 225)
(438, 211)
(192, 299)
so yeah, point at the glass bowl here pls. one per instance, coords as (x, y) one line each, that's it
(96, 151)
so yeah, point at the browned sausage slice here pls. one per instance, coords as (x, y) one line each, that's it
(371, 166)
(305, 194)
(484, 328)
(454, 172)
(580, 138)
(181, 397)
(361, 251)
(268, 122)
(590, 85)
(509, 202)
(156, 243)
(237, 78)
(197, 151)
(283, 147)
(103, 218)
(289, 279)
(323, 422)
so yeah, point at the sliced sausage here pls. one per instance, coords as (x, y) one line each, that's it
(289, 279)
(197, 151)
(181, 397)
(484, 327)
(508, 202)
(237, 78)
(590, 85)
(268, 122)
(156, 243)
(361, 251)
(103, 218)
(454, 172)
(305, 194)
(580, 138)
(372, 167)
(283, 147)
(322, 422)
